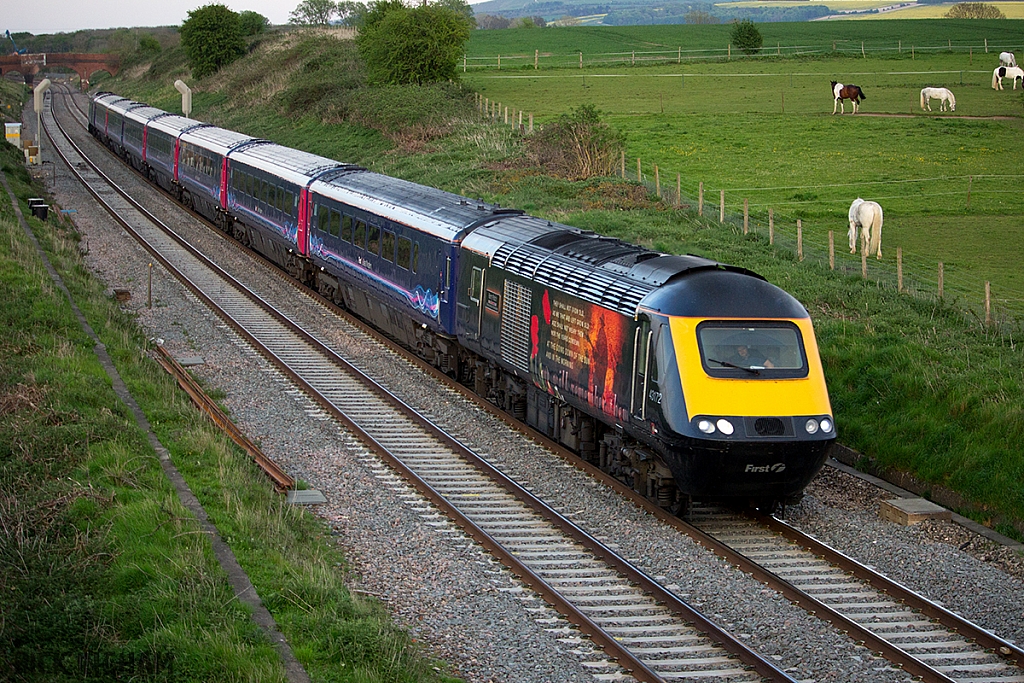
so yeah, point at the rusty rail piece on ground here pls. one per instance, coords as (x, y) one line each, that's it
(282, 481)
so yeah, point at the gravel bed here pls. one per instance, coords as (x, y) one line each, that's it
(464, 606)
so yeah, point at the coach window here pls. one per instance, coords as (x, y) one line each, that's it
(360, 235)
(373, 246)
(346, 228)
(387, 247)
(404, 253)
(335, 227)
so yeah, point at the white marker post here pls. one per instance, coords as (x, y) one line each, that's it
(186, 97)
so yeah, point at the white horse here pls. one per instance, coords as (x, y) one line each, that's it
(868, 217)
(1002, 72)
(1007, 59)
(942, 94)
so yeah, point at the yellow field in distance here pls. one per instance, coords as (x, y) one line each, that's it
(1012, 10)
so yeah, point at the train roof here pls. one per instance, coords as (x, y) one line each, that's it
(217, 140)
(602, 270)
(173, 125)
(292, 164)
(442, 214)
(144, 113)
(107, 98)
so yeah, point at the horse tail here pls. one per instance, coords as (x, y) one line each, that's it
(995, 78)
(922, 99)
(876, 231)
(861, 93)
(952, 99)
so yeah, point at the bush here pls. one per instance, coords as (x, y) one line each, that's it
(974, 10)
(211, 38)
(746, 37)
(412, 45)
(252, 23)
(578, 146)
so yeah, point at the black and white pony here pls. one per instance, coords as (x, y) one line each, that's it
(942, 94)
(1002, 72)
(1007, 59)
(868, 217)
(842, 92)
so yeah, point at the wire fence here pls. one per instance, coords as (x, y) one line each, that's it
(816, 243)
(579, 59)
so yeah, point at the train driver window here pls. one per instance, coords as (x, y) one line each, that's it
(373, 245)
(387, 246)
(359, 237)
(404, 256)
(346, 228)
(476, 285)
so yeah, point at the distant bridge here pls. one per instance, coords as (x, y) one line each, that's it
(84, 64)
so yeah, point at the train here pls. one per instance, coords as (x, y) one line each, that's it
(686, 378)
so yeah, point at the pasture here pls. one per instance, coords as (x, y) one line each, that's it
(763, 130)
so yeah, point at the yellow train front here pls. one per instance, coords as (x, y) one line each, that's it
(731, 390)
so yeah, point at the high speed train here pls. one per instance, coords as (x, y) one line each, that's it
(686, 378)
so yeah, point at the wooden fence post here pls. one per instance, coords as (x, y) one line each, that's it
(771, 226)
(746, 216)
(899, 269)
(862, 49)
(721, 208)
(536, 59)
(581, 59)
(941, 278)
(531, 121)
(988, 303)
(633, 59)
(623, 162)
(729, 54)
(679, 189)
(657, 182)
(463, 63)
(864, 259)
(679, 58)
(831, 250)
(986, 46)
(639, 177)
(499, 62)
(700, 199)
(900, 46)
(799, 240)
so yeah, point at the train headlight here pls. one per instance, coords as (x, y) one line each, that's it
(826, 425)
(811, 426)
(706, 426)
(725, 427)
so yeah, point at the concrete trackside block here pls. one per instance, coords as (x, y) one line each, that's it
(907, 511)
(306, 497)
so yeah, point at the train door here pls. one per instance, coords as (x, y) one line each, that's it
(643, 339)
(471, 310)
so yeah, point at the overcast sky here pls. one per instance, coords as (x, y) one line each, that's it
(66, 16)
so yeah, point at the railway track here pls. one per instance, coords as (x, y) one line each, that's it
(647, 631)
(917, 635)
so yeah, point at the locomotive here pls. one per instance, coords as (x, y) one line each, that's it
(686, 378)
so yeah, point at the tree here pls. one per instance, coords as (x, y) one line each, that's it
(460, 7)
(746, 37)
(211, 38)
(411, 45)
(699, 16)
(313, 12)
(491, 21)
(252, 23)
(351, 13)
(974, 10)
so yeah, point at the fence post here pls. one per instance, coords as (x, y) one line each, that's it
(771, 226)
(729, 54)
(941, 278)
(639, 177)
(536, 59)
(864, 259)
(988, 303)
(899, 269)
(679, 189)
(900, 46)
(970, 181)
(531, 121)
(506, 116)
(799, 240)
(721, 208)
(463, 63)
(499, 62)
(520, 119)
(862, 49)
(623, 162)
(679, 58)
(700, 199)
(581, 59)
(831, 250)
(986, 46)
(657, 182)
(633, 60)
(746, 216)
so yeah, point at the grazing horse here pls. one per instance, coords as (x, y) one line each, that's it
(1002, 72)
(846, 92)
(942, 94)
(868, 216)
(1007, 59)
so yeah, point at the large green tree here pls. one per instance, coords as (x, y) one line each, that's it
(411, 45)
(252, 23)
(211, 38)
(313, 12)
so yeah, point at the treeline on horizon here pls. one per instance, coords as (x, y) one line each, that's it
(639, 15)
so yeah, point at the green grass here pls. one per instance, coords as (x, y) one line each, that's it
(104, 574)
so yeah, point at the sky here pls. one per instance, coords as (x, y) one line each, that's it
(67, 16)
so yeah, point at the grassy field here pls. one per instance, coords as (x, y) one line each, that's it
(763, 131)
(104, 574)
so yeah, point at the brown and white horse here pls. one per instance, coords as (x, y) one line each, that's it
(846, 92)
